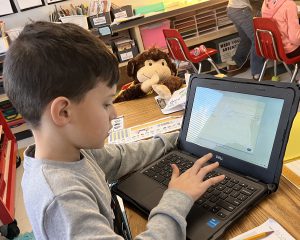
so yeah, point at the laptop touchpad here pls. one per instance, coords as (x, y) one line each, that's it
(152, 198)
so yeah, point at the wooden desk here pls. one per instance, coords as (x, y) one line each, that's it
(283, 206)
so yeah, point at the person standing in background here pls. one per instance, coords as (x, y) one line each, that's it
(240, 13)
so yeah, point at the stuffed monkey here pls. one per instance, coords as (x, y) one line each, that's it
(151, 70)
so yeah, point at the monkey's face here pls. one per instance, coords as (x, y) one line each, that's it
(151, 68)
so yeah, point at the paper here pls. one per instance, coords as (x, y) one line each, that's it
(24, 4)
(119, 20)
(99, 6)
(270, 225)
(117, 123)
(175, 103)
(146, 130)
(53, 1)
(293, 145)
(3, 44)
(5, 7)
(291, 171)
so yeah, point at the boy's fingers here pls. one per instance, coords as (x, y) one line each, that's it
(205, 170)
(212, 181)
(175, 173)
(198, 164)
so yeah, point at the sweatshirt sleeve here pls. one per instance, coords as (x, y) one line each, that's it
(117, 160)
(293, 23)
(168, 219)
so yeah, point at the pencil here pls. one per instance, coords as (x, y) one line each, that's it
(259, 236)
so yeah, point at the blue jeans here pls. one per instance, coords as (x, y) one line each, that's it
(243, 21)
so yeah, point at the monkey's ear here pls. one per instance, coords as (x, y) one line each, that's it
(173, 68)
(131, 67)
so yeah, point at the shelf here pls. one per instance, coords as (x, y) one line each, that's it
(203, 5)
(202, 38)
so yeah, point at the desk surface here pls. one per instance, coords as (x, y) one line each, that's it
(283, 206)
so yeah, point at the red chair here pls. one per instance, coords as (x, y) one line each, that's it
(269, 45)
(180, 52)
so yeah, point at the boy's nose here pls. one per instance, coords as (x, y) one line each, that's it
(113, 113)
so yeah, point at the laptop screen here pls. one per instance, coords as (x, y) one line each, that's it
(244, 125)
(236, 124)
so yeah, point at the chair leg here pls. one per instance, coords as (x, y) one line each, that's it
(194, 68)
(214, 65)
(295, 72)
(200, 67)
(263, 70)
(275, 68)
(177, 63)
(287, 68)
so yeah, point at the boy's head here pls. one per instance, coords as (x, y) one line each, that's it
(50, 60)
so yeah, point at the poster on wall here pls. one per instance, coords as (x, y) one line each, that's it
(54, 1)
(7, 7)
(29, 4)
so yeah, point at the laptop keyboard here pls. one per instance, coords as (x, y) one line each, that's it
(221, 199)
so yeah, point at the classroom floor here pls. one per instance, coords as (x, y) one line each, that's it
(20, 213)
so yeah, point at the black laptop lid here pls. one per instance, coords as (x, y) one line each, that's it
(244, 124)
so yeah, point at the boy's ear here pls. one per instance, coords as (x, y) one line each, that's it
(60, 111)
(131, 67)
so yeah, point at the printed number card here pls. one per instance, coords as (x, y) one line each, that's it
(28, 4)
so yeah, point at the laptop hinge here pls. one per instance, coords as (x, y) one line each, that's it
(252, 179)
(272, 187)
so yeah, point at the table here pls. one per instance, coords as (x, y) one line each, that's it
(283, 206)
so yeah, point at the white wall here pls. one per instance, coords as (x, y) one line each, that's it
(19, 19)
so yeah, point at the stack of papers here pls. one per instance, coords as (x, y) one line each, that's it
(117, 21)
(174, 104)
(279, 233)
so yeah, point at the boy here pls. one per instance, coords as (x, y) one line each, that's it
(62, 80)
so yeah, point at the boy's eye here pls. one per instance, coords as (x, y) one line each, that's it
(107, 105)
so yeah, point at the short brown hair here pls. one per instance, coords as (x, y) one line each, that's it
(49, 60)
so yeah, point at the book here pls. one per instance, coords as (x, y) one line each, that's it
(293, 149)
(291, 171)
(291, 166)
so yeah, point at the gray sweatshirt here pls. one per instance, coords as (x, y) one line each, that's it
(71, 200)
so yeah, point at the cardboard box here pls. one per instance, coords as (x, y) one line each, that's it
(122, 12)
(125, 49)
(100, 20)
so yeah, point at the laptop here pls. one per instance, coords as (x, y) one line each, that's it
(246, 126)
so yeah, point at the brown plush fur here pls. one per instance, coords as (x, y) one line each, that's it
(134, 91)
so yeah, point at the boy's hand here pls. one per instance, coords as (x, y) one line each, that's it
(191, 181)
